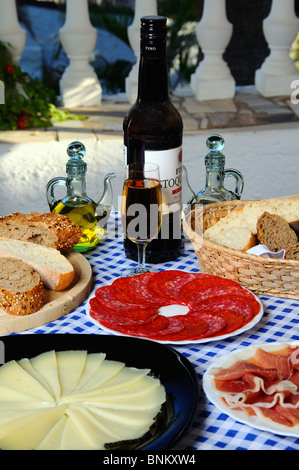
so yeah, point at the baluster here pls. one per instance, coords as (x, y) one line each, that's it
(10, 29)
(278, 71)
(79, 85)
(212, 78)
(142, 8)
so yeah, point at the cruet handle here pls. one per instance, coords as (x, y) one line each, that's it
(239, 180)
(50, 191)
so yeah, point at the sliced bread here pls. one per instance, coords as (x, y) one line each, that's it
(54, 269)
(292, 252)
(22, 291)
(49, 229)
(238, 238)
(275, 232)
(247, 215)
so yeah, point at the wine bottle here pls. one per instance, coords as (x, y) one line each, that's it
(153, 131)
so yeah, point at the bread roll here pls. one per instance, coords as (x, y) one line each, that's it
(54, 269)
(22, 291)
(49, 229)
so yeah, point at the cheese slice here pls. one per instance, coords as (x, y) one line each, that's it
(107, 371)
(146, 401)
(26, 364)
(93, 431)
(126, 417)
(52, 440)
(123, 430)
(14, 376)
(93, 362)
(73, 439)
(16, 436)
(126, 377)
(19, 397)
(127, 395)
(46, 365)
(70, 368)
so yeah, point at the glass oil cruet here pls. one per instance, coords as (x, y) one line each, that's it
(90, 216)
(216, 173)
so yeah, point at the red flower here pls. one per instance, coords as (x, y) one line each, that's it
(23, 120)
(21, 123)
(9, 69)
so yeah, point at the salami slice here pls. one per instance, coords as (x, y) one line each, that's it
(111, 298)
(205, 286)
(159, 323)
(236, 304)
(134, 317)
(167, 284)
(194, 328)
(140, 292)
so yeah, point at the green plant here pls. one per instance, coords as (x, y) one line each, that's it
(28, 102)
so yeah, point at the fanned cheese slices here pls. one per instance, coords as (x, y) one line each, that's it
(73, 400)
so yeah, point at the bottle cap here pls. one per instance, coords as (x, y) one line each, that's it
(153, 36)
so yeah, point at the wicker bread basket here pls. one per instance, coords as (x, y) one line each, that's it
(263, 276)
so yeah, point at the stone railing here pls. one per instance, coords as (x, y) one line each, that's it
(212, 79)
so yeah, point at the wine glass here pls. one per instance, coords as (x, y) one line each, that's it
(141, 209)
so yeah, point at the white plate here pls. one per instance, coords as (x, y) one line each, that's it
(246, 327)
(264, 424)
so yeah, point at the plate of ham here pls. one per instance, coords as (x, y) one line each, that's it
(174, 307)
(258, 386)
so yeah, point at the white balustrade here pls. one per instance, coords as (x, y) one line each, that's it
(10, 29)
(278, 71)
(212, 78)
(79, 85)
(142, 8)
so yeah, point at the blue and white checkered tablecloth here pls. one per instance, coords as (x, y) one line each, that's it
(211, 429)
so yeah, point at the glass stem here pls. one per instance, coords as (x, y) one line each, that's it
(141, 254)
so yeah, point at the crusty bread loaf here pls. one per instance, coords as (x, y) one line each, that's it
(49, 229)
(275, 232)
(247, 215)
(54, 269)
(238, 238)
(22, 291)
(292, 252)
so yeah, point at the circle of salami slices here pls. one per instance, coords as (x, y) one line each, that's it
(217, 307)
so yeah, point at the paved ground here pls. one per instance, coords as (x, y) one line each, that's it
(261, 141)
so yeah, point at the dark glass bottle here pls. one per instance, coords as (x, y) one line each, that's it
(153, 131)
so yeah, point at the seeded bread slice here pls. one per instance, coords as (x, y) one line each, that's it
(49, 229)
(275, 232)
(54, 269)
(22, 291)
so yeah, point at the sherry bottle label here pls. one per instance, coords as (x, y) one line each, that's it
(170, 164)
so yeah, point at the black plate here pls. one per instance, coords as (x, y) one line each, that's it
(172, 368)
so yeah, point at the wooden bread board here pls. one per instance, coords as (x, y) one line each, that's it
(57, 303)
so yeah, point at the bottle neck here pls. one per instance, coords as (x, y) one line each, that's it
(76, 187)
(215, 171)
(153, 79)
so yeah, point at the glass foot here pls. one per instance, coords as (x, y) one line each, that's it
(138, 270)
